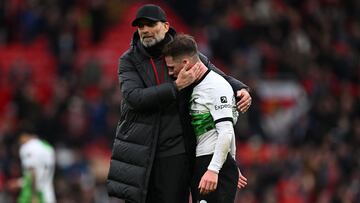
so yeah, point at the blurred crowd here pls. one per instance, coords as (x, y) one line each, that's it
(313, 43)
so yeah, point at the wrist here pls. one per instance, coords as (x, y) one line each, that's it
(213, 171)
(246, 88)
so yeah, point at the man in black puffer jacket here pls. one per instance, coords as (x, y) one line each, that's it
(154, 147)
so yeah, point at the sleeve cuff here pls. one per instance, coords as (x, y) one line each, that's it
(213, 168)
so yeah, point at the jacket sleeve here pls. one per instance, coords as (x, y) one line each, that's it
(235, 84)
(136, 94)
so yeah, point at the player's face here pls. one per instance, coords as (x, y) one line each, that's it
(152, 32)
(174, 65)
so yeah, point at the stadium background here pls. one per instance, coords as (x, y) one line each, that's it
(298, 143)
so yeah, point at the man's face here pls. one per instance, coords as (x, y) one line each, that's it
(152, 32)
(174, 65)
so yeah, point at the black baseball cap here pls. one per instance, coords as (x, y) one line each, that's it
(151, 12)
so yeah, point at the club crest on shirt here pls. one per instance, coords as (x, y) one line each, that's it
(223, 99)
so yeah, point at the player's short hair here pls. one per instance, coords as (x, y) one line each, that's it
(181, 45)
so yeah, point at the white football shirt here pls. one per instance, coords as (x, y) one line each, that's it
(39, 156)
(213, 112)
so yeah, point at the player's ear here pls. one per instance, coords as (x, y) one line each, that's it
(185, 64)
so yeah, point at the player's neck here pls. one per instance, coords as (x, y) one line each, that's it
(203, 70)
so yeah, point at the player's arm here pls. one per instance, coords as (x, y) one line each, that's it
(221, 111)
(209, 180)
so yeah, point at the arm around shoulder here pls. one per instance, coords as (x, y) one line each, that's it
(137, 95)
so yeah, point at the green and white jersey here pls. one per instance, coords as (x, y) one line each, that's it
(213, 112)
(38, 156)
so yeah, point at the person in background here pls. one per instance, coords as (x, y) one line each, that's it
(154, 149)
(213, 112)
(38, 167)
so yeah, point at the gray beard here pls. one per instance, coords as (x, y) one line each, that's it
(150, 41)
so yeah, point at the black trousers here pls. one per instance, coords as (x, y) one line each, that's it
(227, 181)
(169, 180)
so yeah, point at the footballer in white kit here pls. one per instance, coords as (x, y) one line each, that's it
(38, 161)
(213, 101)
(213, 112)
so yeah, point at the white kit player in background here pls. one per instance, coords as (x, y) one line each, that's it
(38, 164)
